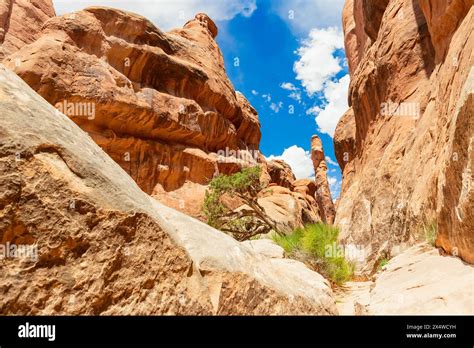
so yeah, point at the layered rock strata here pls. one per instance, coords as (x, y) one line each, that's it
(21, 22)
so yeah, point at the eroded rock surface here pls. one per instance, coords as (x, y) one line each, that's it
(106, 247)
(281, 174)
(420, 281)
(410, 158)
(21, 22)
(160, 104)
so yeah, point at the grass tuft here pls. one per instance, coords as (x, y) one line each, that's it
(315, 245)
(430, 231)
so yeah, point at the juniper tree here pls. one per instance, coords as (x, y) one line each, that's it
(247, 221)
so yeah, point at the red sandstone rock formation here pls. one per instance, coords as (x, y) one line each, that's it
(21, 22)
(280, 173)
(408, 166)
(323, 193)
(355, 38)
(160, 104)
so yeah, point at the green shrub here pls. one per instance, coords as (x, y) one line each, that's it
(289, 242)
(315, 245)
(383, 262)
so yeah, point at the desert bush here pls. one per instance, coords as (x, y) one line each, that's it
(314, 245)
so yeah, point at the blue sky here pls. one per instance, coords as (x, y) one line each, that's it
(285, 56)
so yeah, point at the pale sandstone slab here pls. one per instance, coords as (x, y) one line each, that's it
(420, 281)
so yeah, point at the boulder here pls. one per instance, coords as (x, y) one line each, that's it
(280, 173)
(266, 247)
(419, 281)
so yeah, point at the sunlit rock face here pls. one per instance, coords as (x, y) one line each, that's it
(160, 104)
(406, 144)
(21, 22)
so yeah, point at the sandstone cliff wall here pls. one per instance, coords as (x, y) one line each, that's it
(406, 144)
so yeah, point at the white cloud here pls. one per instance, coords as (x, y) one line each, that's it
(330, 161)
(299, 160)
(303, 15)
(267, 97)
(316, 63)
(335, 94)
(254, 92)
(296, 96)
(167, 14)
(332, 181)
(295, 91)
(317, 68)
(313, 110)
(276, 107)
(289, 86)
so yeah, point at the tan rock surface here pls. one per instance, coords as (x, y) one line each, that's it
(355, 38)
(372, 12)
(344, 139)
(266, 247)
(420, 281)
(21, 22)
(443, 18)
(280, 173)
(295, 203)
(289, 209)
(105, 247)
(411, 165)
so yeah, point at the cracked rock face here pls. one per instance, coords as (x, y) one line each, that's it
(409, 144)
(105, 247)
